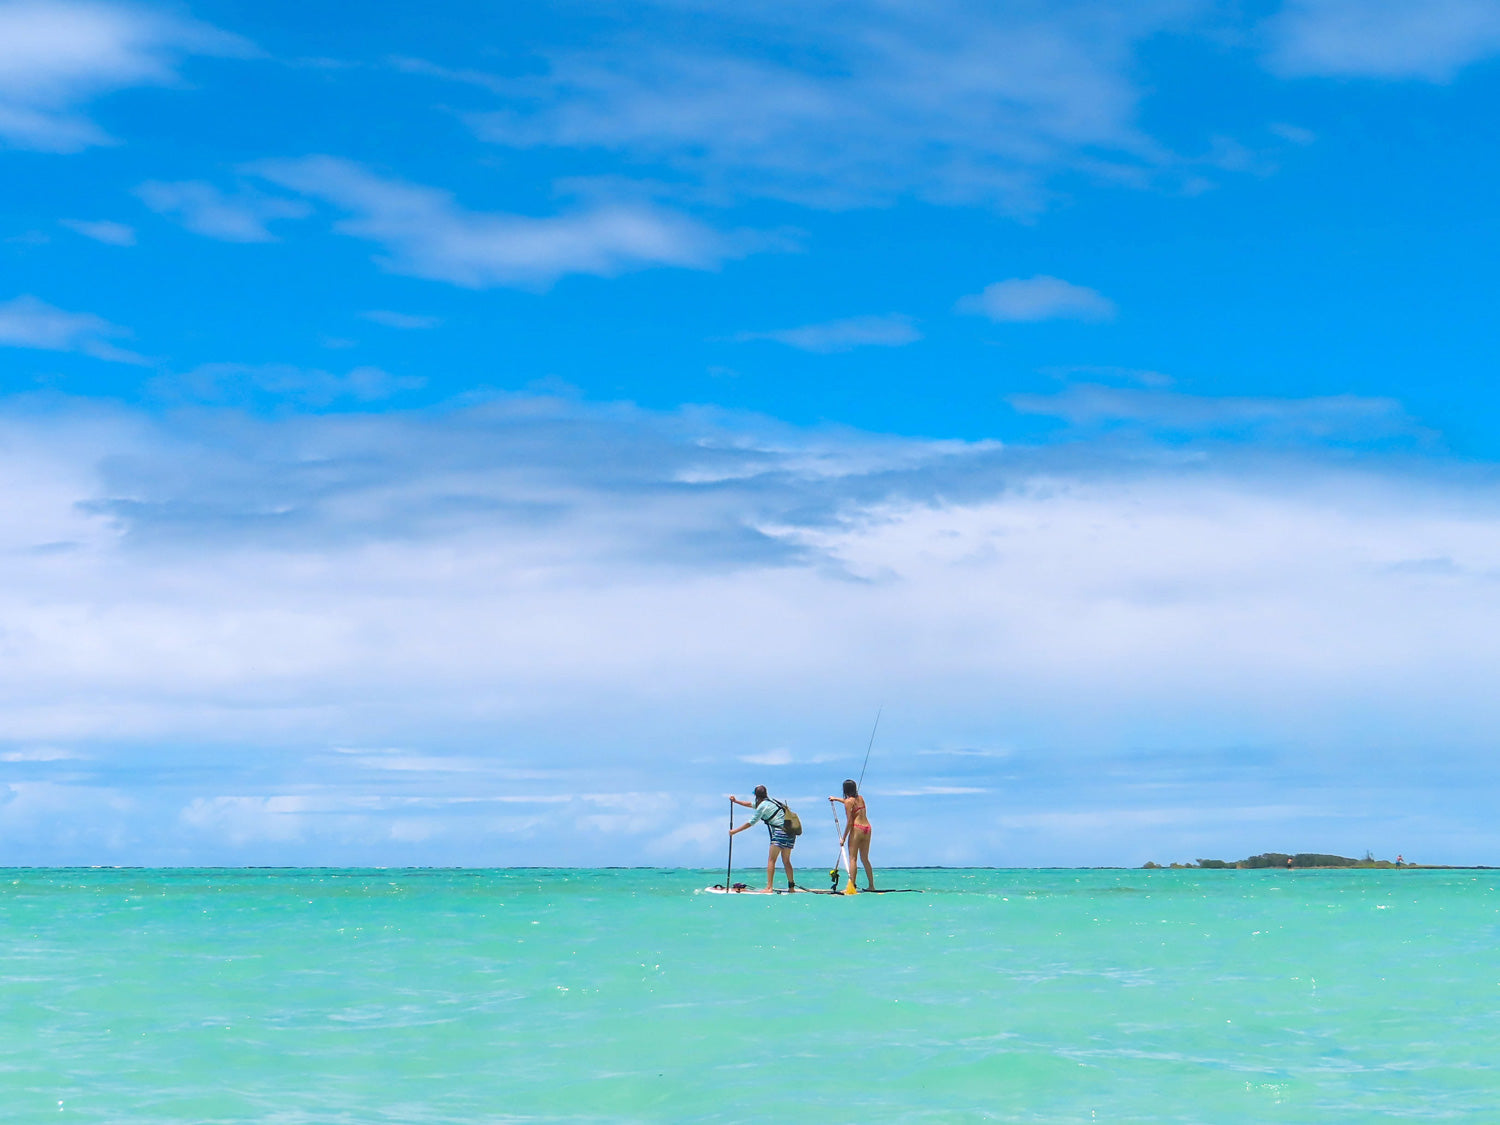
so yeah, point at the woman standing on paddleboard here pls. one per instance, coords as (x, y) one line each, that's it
(856, 832)
(774, 814)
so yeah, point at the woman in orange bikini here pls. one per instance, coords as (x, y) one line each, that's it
(857, 833)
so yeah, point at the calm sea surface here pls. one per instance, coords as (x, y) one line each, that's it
(583, 996)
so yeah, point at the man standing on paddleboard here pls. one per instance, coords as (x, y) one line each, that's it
(774, 814)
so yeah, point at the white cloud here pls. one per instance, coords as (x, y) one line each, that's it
(241, 820)
(1038, 298)
(26, 322)
(425, 233)
(1432, 40)
(539, 599)
(936, 791)
(204, 209)
(778, 757)
(420, 763)
(40, 754)
(56, 56)
(405, 321)
(839, 104)
(59, 819)
(115, 234)
(892, 331)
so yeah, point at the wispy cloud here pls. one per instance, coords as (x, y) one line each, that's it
(891, 331)
(115, 234)
(964, 752)
(56, 56)
(424, 232)
(409, 65)
(1433, 40)
(778, 757)
(40, 754)
(405, 321)
(1105, 373)
(831, 104)
(1296, 134)
(1162, 412)
(204, 209)
(244, 383)
(1038, 298)
(26, 322)
(936, 791)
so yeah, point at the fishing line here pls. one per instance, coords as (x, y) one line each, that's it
(870, 747)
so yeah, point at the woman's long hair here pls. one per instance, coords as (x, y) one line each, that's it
(760, 792)
(850, 789)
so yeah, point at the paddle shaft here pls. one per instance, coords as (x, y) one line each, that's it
(729, 864)
(838, 829)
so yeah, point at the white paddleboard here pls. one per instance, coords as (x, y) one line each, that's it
(718, 890)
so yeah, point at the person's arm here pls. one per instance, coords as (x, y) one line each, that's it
(753, 820)
(736, 801)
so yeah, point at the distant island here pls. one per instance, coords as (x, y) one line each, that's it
(1283, 859)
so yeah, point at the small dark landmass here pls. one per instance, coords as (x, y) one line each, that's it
(1284, 860)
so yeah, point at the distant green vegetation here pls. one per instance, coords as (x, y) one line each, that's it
(1285, 859)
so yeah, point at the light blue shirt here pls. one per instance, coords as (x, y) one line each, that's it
(770, 812)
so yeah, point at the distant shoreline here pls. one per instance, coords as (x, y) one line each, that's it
(1305, 861)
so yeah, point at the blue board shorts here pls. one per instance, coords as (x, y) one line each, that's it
(782, 839)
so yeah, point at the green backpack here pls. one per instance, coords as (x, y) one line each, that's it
(791, 823)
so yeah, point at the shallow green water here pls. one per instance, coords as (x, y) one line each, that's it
(1036, 996)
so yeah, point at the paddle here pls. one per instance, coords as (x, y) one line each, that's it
(729, 864)
(833, 872)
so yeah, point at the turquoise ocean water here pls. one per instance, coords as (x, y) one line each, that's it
(593, 996)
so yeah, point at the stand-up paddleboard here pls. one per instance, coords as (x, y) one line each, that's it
(716, 889)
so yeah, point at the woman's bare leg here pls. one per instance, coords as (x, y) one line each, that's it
(786, 861)
(771, 866)
(864, 854)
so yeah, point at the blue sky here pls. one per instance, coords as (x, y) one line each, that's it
(489, 435)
